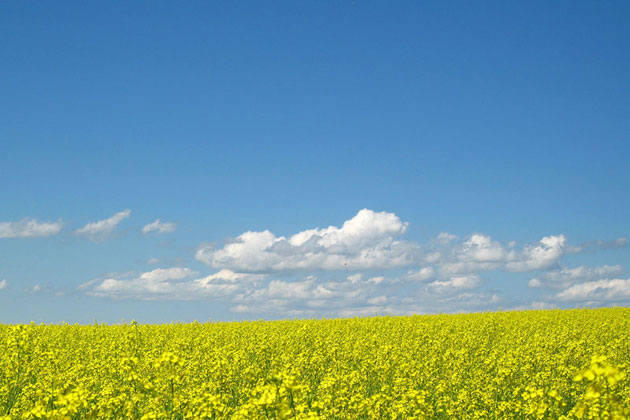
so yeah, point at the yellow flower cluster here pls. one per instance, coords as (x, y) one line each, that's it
(561, 364)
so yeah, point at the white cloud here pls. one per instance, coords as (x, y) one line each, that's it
(444, 238)
(158, 282)
(542, 255)
(163, 274)
(362, 267)
(159, 227)
(306, 297)
(477, 253)
(3, 284)
(378, 300)
(597, 292)
(482, 248)
(368, 240)
(308, 289)
(175, 283)
(310, 296)
(229, 276)
(152, 283)
(29, 228)
(376, 280)
(103, 227)
(355, 278)
(357, 296)
(567, 277)
(455, 283)
(480, 252)
(37, 288)
(424, 274)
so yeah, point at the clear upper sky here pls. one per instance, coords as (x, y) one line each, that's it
(192, 160)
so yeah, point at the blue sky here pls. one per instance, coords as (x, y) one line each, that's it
(309, 159)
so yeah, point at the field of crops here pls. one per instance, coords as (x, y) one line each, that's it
(505, 365)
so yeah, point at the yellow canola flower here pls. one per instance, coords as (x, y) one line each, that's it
(561, 364)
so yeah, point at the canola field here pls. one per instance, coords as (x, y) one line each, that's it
(560, 364)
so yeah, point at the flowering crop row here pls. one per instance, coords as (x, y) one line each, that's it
(505, 365)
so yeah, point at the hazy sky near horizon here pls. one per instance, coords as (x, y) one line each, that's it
(241, 160)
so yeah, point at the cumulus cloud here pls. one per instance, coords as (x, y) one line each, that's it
(444, 238)
(3, 284)
(598, 292)
(542, 255)
(480, 252)
(29, 228)
(151, 284)
(423, 274)
(455, 283)
(481, 248)
(371, 240)
(567, 277)
(103, 227)
(368, 240)
(176, 283)
(278, 289)
(248, 293)
(359, 295)
(229, 276)
(361, 267)
(308, 297)
(159, 227)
